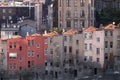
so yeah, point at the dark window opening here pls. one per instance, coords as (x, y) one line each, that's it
(20, 48)
(28, 64)
(10, 45)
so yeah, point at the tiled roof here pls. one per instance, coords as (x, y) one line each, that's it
(110, 26)
(36, 34)
(71, 31)
(50, 34)
(90, 29)
(17, 36)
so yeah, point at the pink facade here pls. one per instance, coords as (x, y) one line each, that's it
(24, 53)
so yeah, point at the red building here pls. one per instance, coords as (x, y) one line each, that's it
(24, 53)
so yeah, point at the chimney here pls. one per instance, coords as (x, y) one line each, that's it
(101, 26)
(45, 32)
(27, 34)
(63, 30)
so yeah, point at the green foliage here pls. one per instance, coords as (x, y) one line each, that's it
(56, 29)
(109, 15)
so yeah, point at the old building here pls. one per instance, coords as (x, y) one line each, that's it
(65, 53)
(25, 53)
(75, 13)
(3, 55)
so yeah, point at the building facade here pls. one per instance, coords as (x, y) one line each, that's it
(28, 55)
(3, 55)
(75, 13)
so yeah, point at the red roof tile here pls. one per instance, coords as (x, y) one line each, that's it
(90, 29)
(71, 31)
(50, 34)
(110, 26)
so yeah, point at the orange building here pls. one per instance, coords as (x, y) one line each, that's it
(25, 53)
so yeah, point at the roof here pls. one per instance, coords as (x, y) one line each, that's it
(54, 33)
(71, 31)
(28, 22)
(17, 36)
(110, 26)
(90, 29)
(36, 34)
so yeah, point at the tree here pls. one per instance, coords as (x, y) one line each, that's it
(108, 15)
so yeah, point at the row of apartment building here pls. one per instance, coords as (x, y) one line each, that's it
(90, 49)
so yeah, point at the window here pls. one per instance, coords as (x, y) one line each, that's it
(20, 68)
(82, 23)
(90, 46)
(77, 52)
(45, 40)
(51, 40)
(85, 46)
(70, 38)
(60, 3)
(10, 66)
(75, 13)
(111, 33)
(76, 23)
(32, 63)
(111, 44)
(106, 33)
(98, 39)
(90, 35)
(15, 33)
(14, 66)
(85, 58)
(46, 72)
(4, 10)
(33, 53)
(10, 17)
(28, 64)
(82, 3)
(106, 44)
(51, 64)
(77, 42)
(82, 14)
(68, 23)
(45, 63)
(10, 46)
(65, 38)
(14, 44)
(28, 42)
(70, 49)
(75, 3)
(3, 17)
(97, 50)
(32, 42)
(51, 51)
(90, 58)
(68, 3)
(45, 51)
(10, 11)
(68, 14)
(38, 56)
(20, 59)
(2, 50)
(98, 59)
(28, 53)
(65, 49)
(106, 56)
(85, 35)
(20, 48)
(38, 45)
